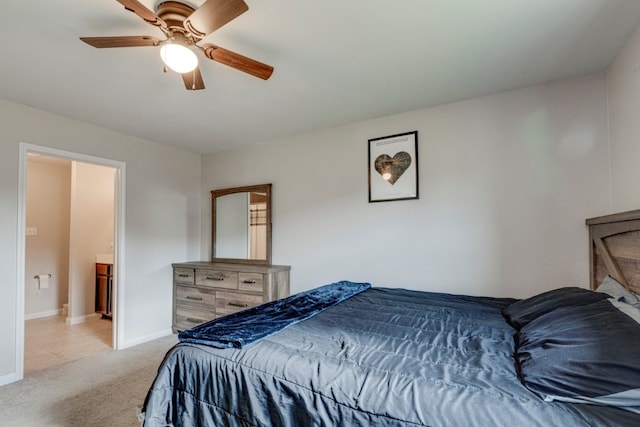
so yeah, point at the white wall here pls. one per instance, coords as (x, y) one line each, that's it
(162, 217)
(48, 198)
(623, 81)
(91, 232)
(506, 182)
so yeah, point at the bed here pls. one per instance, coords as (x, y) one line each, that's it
(395, 357)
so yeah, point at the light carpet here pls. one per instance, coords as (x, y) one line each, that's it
(104, 389)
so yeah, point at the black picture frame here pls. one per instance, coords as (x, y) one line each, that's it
(393, 167)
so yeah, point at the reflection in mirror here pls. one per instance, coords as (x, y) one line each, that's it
(241, 224)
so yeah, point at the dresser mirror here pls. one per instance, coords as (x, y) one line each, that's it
(241, 224)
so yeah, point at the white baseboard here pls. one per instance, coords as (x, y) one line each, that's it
(8, 379)
(82, 319)
(41, 314)
(146, 338)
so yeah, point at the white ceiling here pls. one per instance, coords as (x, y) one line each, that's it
(336, 62)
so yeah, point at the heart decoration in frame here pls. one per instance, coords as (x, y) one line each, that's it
(393, 167)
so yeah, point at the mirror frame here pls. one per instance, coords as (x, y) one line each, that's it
(261, 188)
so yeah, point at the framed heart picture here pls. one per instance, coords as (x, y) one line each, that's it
(393, 167)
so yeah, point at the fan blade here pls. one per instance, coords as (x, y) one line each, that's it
(213, 14)
(121, 41)
(141, 10)
(237, 61)
(193, 80)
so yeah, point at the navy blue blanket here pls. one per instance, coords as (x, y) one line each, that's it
(242, 328)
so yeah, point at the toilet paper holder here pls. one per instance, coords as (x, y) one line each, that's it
(37, 276)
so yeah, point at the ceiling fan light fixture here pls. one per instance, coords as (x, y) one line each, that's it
(178, 57)
(184, 26)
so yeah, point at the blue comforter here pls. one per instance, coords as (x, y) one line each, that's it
(385, 357)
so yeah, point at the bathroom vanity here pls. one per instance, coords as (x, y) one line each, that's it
(104, 288)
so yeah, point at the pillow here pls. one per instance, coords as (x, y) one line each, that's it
(617, 290)
(627, 309)
(583, 354)
(524, 311)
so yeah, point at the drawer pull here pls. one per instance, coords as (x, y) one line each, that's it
(193, 320)
(194, 298)
(237, 304)
(219, 279)
(251, 282)
(183, 275)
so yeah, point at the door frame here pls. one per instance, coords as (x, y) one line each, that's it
(118, 243)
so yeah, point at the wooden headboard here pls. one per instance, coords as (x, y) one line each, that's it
(614, 249)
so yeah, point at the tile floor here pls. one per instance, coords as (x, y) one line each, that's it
(49, 341)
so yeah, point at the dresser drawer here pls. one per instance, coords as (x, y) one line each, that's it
(250, 282)
(183, 276)
(231, 302)
(196, 297)
(217, 279)
(188, 317)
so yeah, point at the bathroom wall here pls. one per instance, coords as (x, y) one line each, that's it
(47, 252)
(91, 233)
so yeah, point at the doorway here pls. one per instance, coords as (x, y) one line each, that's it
(86, 247)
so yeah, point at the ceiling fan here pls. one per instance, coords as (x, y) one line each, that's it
(184, 27)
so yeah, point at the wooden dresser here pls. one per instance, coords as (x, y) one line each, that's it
(203, 291)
